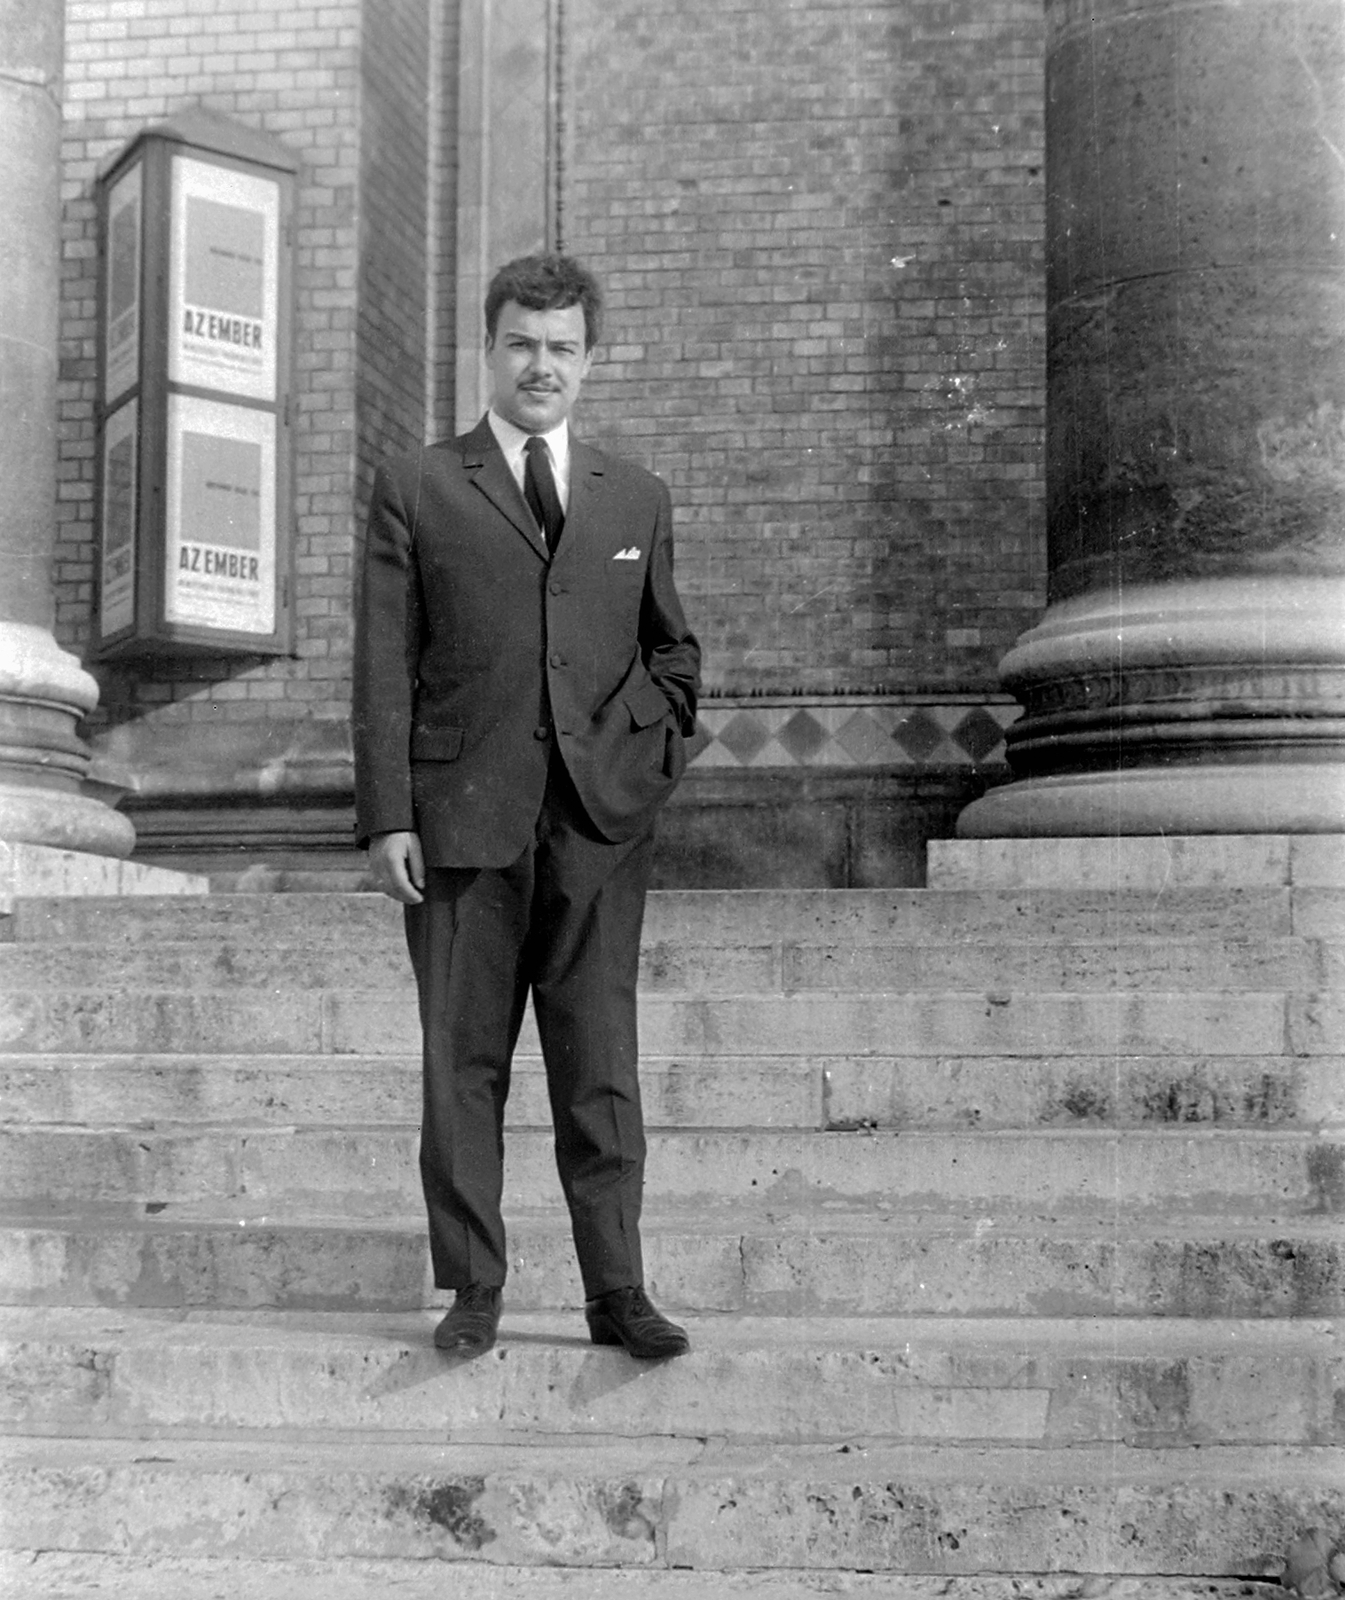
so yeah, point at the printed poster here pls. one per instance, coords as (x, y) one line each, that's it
(220, 545)
(121, 351)
(224, 286)
(116, 593)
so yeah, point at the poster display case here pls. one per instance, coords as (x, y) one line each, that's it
(194, 481)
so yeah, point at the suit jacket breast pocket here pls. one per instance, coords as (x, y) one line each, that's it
(436, 744)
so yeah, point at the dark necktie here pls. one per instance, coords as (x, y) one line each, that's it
(539, 490)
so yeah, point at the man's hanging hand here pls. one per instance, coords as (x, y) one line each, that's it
(397, 866)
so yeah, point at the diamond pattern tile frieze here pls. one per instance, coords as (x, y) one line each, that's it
(865, 737)
(803, 736)
(919, 734)
(743, 735)
(978, 733)
(861, 733)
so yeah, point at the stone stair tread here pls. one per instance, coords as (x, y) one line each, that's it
(834, 1090)
(1224, 1510)
(1026, 1023)
(1106, 1464)
(1082, 1170)
(919, 1338)
(1038, 1380)
(858, 1219)
(776, 1260)
(779, 964)
(60, 1575)
(794, 999)
(667, 1223)
(41, 948)
(384, 1091)
(108, 1061)
(1092, 1135)
(740, 914)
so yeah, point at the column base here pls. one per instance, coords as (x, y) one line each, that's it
(1197, 706)
(1296, 797)
(43, 762)
(63, 821)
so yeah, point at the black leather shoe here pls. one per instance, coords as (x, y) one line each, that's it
(627, 1316)
(469, 1328)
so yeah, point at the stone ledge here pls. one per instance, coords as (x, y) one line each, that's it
(29, 871)
(1140, 862)
(61, 1575)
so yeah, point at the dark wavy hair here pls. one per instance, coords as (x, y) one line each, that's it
(546, 283)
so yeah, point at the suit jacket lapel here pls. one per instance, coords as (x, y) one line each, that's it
(483, 461)
(586, 475)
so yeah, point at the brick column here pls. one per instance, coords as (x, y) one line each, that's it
(1189, 673)
(43, 690)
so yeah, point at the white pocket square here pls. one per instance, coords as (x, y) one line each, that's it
(631, 553)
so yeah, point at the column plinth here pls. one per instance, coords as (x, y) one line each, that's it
(43, 762)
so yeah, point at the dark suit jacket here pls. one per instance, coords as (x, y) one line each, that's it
(477, 652)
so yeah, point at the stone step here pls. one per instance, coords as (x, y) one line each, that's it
(1146, 1383)
(920, 1509)
(372, 1091)
(62, 1575)
(1017, 1340)
(29, 871)
(369, 1172)
(781, 1261)
(297, 1022)
(236, 963)
(1158, 862)
(834, 1091)
(731, 917)
(1075, 1090)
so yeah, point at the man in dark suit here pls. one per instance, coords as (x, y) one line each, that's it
(524, 679)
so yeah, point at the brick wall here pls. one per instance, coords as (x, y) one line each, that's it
(820, 224)
(293, 71)
(820, 228)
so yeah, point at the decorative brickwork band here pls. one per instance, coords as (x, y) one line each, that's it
(846, 734)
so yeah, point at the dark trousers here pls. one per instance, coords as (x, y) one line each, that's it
(564, 921)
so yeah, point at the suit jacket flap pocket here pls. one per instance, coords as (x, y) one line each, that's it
(435, 744)
(647, 704)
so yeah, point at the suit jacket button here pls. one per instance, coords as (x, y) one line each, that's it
(557, 660)
(555, 588)
(540, 733)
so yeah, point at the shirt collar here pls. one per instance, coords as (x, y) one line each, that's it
(512, 440)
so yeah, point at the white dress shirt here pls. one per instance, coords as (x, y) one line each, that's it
(512, 441)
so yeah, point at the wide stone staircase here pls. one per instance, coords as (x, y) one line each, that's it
(1006, 1222)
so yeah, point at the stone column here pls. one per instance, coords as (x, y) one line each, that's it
(1189, 673)
(43, 690)
(506, 164)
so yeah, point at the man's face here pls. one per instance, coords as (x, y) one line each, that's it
(537, 362)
